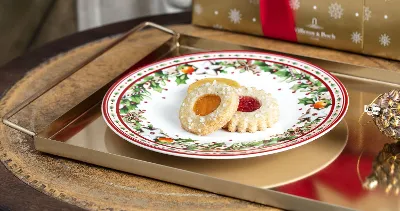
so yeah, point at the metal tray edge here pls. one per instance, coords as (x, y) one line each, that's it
(182, 177)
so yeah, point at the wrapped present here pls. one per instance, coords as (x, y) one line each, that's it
(362, 26)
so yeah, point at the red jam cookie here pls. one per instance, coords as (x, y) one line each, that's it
(256, 111)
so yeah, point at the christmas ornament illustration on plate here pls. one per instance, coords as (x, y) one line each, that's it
(385, 111)
(385, 170)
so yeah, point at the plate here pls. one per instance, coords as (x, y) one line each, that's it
(143, 106)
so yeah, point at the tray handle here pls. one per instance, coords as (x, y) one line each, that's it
(6, 118)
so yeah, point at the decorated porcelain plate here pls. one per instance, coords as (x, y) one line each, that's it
(144, 106)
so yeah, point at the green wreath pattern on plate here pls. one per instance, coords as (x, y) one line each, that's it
(317, 97)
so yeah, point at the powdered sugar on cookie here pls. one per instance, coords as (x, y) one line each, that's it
(206, 124)
(212, 106)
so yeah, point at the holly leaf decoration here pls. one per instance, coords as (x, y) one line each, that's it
(124, 110)
(150, 127)
(161, 76)
(138, 126)
(284, 74)
(328, 102)
(147, 78)
(306, 101)
(135, 98)
(272, 141)
(260, 63)
(156, 86)
(191, 147)
(181, 79)
(299, 86)
(137, 88)
(322, 89)
(317, 83)
(308, 78)
(125, 101)
(279, 66)
(266, 68)
(185, 140)
(288, 138)
(255, 143)
(128, 106)
(132, 106)
(215, 145)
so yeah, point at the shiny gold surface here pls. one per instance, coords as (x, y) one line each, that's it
(87, 135)
(264, 172)
(385, 170)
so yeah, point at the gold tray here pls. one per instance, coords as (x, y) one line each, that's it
(81, 134)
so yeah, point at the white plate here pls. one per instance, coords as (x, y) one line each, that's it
(143, 106)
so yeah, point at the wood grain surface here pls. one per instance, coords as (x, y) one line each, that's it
(93, 187)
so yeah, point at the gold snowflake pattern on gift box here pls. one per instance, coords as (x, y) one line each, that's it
(235, 16)
(316, 104)
(335, 10)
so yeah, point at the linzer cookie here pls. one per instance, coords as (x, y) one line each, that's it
(257, 111)
(208, 108)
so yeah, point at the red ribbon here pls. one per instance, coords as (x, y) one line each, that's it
(277, 20)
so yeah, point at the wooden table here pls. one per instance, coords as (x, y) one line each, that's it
(16, 195)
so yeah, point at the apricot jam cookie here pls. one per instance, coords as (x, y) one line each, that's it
(256, 111)
(202, 118)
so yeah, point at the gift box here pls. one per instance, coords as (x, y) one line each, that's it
(363, 26)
